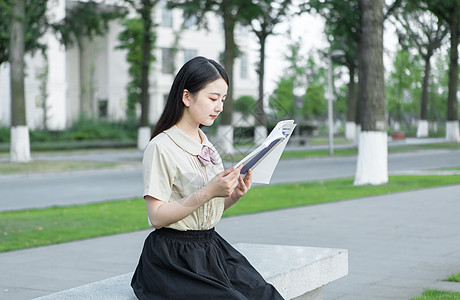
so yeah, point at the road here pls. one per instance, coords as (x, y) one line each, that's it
(79, 187)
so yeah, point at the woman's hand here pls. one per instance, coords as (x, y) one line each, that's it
(243, 186)
(224, 183)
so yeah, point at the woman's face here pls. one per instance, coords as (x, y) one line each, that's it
(206, 105)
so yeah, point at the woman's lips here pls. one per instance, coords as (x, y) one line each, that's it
(213, 116)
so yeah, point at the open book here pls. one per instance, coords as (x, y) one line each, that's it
(263, 160)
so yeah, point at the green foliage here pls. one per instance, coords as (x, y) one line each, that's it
(35, 25)
(403, 88)
(282, 99)
(245, 105)
(449, 11)
(93, 129)
(315, 105)
(83, 129)
(85, 19)
(443, 9)
(131, 39)
(342, 26)
(309, 77)
(4, 134)
(437, 103)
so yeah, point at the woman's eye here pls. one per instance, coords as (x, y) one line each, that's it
(213, 99)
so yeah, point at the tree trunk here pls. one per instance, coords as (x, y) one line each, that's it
(146, 48)
(351, 95)
(359, 94)
(20, 144)
(144, 130)
(372, 165)
(452, 129)
(422, 128)
(373, 102)
(225, 129)
(261, 127)
(84, 105)
(425, 87)
(350, 126)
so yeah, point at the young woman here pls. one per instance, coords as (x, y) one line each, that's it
(186, 189)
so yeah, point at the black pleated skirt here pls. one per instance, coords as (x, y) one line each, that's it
(196, 264)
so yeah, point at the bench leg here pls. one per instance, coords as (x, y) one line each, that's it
(312, 295)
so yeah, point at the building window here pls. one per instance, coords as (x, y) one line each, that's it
(167, 61)
(102, 108)
(189, 54)
(244, 66)
(190, 21)
(166, 15)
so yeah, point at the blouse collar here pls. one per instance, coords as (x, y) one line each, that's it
(187, 143)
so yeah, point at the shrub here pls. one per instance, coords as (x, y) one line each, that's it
(4, 134)
(245, 104)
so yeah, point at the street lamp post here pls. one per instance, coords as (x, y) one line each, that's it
(330, 98)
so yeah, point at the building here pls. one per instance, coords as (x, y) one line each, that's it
(105, 70)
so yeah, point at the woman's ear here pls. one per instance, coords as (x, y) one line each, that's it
(186, 97)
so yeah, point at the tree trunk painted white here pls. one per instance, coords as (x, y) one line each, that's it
(422, 129)
(372, 166)
(350, 131)
(357, 134)
(143, 137)
(224, 139)
(260, 134)
(452, 132)
(20, 144)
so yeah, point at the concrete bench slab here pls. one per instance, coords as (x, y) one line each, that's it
(296, 272)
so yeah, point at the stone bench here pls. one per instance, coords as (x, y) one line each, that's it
(296, 272)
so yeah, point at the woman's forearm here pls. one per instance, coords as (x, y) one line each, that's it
(164, 213)
(229, 201)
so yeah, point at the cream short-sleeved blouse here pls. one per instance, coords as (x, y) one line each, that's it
(171, 171)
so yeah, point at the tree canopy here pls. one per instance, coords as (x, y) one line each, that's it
(35, 25)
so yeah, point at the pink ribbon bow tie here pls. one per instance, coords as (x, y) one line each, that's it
(207, 155)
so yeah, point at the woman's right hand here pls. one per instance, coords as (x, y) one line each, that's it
(224, 183)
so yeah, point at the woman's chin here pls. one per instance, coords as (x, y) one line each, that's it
(208, 122)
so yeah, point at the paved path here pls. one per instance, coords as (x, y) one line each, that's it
(398, 245)
(78, 187)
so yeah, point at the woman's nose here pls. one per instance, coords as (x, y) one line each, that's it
(219, 107)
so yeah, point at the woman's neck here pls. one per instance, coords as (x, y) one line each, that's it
(190, 130)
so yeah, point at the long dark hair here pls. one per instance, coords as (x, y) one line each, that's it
(193, 76)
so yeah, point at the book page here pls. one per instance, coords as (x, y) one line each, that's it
(264, 159)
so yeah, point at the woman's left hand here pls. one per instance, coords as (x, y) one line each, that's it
(243, 186)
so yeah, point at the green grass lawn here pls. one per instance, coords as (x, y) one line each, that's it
(438, 295)
(352, 151)
(51, 166)
(31, 228)
(454, 277)
(451, 169)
